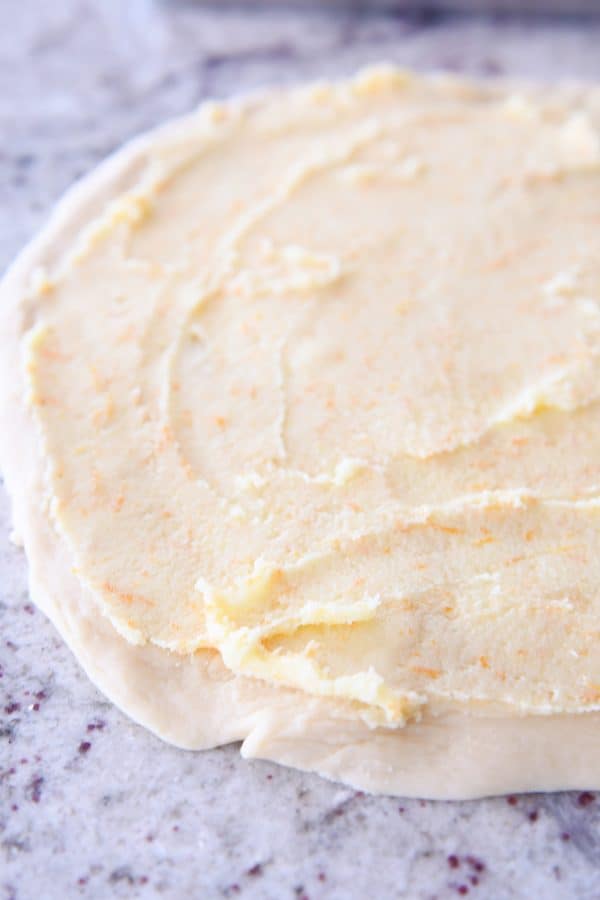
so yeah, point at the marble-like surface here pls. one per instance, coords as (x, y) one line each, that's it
(91, 805)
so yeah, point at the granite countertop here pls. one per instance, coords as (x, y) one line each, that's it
(91, 805)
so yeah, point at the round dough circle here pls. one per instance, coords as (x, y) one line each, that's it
(308, 429)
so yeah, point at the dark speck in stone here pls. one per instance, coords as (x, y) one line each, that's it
(533, 815)
(14, 807)
(29, 608)
(123, 873)
(24, 761)
(12, 707)
(35, 707)
(462, 889)
(84, 746)
(143, 879)
(336, 811)
(15, 845)
(400, 809)
(35, 788)
(565, 836)
(585, 799)
(322, 876)
(476, 864)
(175, 828)
(255, 870)
(453, 861)
(82, 880)
(41, 695)
(96, 725)
(474, 880)
(149, 838)
(512, 800)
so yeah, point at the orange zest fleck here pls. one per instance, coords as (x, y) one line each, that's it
(425, 670)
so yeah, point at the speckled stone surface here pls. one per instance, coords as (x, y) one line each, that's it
(91, 805)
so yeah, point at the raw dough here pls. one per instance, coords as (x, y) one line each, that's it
(301, 421)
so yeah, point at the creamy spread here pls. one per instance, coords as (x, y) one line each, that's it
(314, 385)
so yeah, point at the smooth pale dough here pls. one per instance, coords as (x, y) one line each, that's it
(300, 410)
